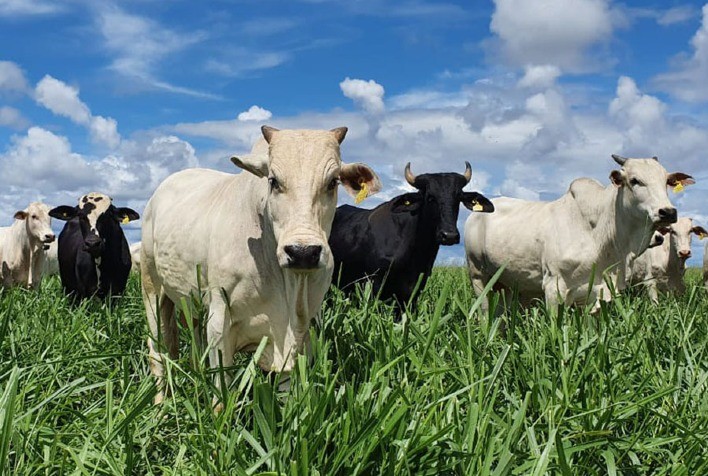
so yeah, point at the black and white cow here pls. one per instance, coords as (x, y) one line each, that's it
(94, 258)
(398, 241)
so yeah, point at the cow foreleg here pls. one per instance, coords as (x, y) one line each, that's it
(221, 348)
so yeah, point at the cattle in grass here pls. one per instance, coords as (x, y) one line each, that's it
(395, 244)
(253, 244)
(22, 246)
(563, 250)
(93, 254)
(662, 268)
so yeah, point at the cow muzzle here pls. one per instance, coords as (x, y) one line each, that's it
(448, 238)
(303, 257)
(93, 245)
(684, 254)
(48, 238)
(666, 216)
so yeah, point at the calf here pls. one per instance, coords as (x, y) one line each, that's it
(395, 244)
(94, 258)
(662, 268)
(22, 246)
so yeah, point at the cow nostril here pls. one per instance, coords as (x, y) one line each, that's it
(449, 237)
(668, 214)
(49, 238)
(685, 254)
(303, 257)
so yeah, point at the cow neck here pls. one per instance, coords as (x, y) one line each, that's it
(426, 247)
(674, 266)
(25, 244)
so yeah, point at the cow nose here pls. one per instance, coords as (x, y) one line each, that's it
(49, 238)
(683, 254)
(449, 237)
(92, 242)
(668, 215)
(303, 257)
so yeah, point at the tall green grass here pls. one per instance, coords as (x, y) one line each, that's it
(441, 392)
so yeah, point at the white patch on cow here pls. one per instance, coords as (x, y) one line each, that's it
(100, 202)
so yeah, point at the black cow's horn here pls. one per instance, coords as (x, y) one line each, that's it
(619, 159)
(410, 178)
(468, 172)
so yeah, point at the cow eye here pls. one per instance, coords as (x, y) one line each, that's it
(634, 182)
(332, 184)
(34, 217)
(274, 184)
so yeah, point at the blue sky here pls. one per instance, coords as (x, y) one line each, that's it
(114, 96)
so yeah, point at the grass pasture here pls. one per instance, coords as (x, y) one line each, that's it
(624, 392)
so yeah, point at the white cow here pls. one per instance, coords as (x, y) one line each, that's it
(554, 250)
(662, 268)
(135, 257)
(705, 266)
(51, 259)
(258, 240)
(22, 246)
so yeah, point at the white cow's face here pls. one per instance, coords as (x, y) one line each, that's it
(645, 182)
(94, 204)
(37, 222)
(681, 233)
(303, 169)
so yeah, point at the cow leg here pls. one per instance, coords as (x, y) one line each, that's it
(220, 344)
(162, 323)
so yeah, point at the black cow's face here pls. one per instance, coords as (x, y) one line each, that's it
(440, 196)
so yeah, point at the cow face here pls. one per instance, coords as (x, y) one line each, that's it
(440, 198)
(97, 217)
(645, 182)
(302, 171)
(681, 233)
(37, 222)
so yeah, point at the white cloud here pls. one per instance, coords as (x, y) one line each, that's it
(367, 94)
(12, 79)
(688, 80)
(255, 113)
(63, 100)
(539, 76)
(553, 32)
(11, 117)
(675, 15)
(10, 8)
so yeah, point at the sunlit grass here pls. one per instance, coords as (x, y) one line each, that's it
(441, 392)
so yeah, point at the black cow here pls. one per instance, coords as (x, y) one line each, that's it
(397, 242)
(94, 258)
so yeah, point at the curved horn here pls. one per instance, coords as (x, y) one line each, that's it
(468, 172)
(410, 178)
(619, 159)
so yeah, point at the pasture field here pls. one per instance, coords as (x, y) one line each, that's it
(444, 392)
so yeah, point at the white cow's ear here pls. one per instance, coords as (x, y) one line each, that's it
(20, 215)
(358, 179)
(268, 132)
(256, 164)
(617, 178)
(339, 133)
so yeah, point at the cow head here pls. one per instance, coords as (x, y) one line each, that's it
(97, 217)
(645, 182)
(37, 222)
(439, 197)
(680, 234)
(302, 170)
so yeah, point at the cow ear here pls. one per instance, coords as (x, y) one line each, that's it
(700, 231)
(63, 212)
(617, 178)
(126, 215)
(20, 215)
(477, 202)
(339, 133)
(676, 178)
(359, 180)
(256, 164)
(408, 202)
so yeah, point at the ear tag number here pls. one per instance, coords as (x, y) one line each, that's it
(363, 193)
(678, 188)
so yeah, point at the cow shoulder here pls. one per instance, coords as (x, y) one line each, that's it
(586, 194)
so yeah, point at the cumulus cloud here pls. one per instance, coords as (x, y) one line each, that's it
(366, 94)
(539, 76)
(11, 8)
(688, 80)
(11, 117)
(255, 113)
(63, 100)
(553, 32)
(12, 78)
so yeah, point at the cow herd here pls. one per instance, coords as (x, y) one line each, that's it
(262, 247)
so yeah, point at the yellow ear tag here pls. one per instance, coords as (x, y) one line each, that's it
(125, 220)
(363, 193)
(678, 188)
(701, 236)
(477, 207)
(407, 202)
